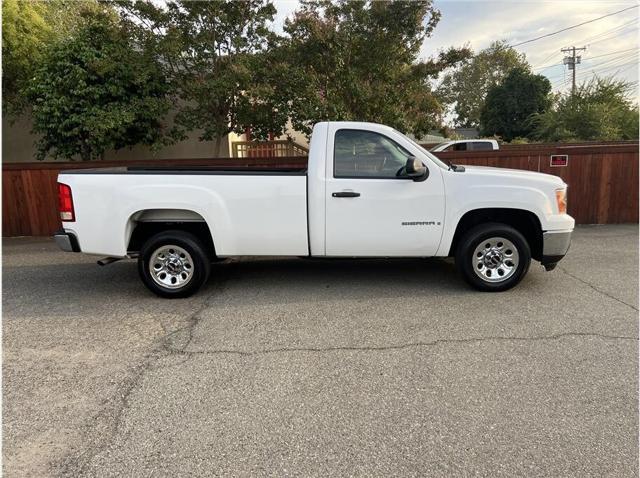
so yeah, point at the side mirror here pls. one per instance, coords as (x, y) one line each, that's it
(415, 169)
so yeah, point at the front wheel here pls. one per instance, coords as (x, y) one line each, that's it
(493, 257)
(173, 264)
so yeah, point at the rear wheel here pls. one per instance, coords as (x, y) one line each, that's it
(173, 264)
(493, 257)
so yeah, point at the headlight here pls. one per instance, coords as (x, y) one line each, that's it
(561, 200)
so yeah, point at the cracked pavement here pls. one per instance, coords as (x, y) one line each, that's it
(315, 368)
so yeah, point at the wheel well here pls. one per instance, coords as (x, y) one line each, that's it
(525, 222)
(141, 230)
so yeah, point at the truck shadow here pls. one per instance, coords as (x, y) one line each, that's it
(258, 279)
(292, 280)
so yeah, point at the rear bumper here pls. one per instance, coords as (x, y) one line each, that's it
(554, 247)
(66, 241)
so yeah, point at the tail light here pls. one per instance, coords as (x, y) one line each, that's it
(65, 203)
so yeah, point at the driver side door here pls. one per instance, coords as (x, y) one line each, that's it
(372, 208)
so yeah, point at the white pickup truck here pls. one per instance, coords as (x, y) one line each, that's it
(368, 191)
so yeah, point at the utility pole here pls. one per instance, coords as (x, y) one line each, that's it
(571, 62)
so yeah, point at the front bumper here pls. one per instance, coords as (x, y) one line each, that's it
(66, 241)
(554, 247)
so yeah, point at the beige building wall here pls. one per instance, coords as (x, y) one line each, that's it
(19, 146)
(296, 136)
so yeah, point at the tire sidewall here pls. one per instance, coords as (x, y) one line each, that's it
(201, 262)
(481, 233)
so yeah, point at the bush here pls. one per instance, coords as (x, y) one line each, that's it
(96, 91)
(600, 110)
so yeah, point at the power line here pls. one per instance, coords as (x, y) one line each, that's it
(555, 52)
(626, 55)
(615, 59)
(609, 68)
(608, 54)
(599, 36)
(621, 68)
(619, 63)
(542, 68)
(572, 27)
(622, 71)
(621, 34)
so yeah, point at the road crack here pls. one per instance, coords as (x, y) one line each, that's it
(383, 348)
(106, 424)
(600, 291)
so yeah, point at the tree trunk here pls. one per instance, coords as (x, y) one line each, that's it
(85, 151)
(218, 143)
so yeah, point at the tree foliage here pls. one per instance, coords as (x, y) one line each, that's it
(25, 34)
(509, 105)
(600, 110)
(207, 50)
(95, 91)
(29, 27)
(219, 69)
(358, 60)
(466, 87)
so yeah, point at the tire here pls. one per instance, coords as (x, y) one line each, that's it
(498, 267)
(174, 264)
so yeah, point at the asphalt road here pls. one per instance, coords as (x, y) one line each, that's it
(322, 368)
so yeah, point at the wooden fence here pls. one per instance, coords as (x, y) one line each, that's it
(602, 179)
(267, 149)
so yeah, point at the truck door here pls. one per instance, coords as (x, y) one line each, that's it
(371, 208)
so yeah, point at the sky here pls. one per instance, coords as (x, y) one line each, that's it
(612, 42)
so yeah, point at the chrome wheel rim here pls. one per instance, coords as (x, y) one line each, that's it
(495, 259)
(171, 267)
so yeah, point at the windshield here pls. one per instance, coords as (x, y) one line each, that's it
(431, 156)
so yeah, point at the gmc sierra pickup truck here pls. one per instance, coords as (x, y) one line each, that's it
(368, 191)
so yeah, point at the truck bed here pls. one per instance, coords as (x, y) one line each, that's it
(248, 211)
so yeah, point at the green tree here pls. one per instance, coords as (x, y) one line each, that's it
(509, 105)
(25, 34)
(358, 60)
(28, 28)
(95, 91)
(600, 110)
(467, 86)
(209, 51)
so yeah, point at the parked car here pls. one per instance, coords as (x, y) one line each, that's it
(467, 145)
(368, 191)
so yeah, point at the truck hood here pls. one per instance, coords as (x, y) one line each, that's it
(514, 175)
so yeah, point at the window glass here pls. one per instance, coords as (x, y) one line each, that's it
(460, 147)
(482, 146)
(359, 153)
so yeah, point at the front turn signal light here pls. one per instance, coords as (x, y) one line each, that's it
(561, 200)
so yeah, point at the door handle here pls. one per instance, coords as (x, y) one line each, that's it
(346, 194)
